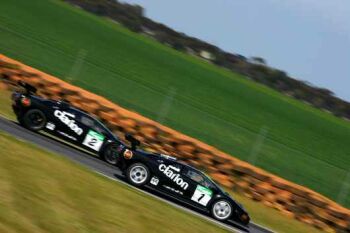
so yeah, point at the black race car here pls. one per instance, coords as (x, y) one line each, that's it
(60, 119)
(178, 180)
(161, 173)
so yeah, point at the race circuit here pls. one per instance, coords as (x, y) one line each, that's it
(106, 170)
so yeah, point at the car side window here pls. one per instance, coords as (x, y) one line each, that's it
(93, 124)
(99, 127)
(198, 177)
(87, 121)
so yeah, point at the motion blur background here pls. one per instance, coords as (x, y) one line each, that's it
(228, 73)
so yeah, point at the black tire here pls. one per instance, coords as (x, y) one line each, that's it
(33, 119)
(110, 154)
(221, 209)
(138, 174)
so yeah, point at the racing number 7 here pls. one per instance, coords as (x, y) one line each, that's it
(201, 197)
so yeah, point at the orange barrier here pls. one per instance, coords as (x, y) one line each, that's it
(291, 199)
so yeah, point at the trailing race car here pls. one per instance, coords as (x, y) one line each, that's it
(159, 172)
(60, 119)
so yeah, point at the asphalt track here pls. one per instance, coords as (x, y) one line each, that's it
(105, 169)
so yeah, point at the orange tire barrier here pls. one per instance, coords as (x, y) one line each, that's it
(292, 200)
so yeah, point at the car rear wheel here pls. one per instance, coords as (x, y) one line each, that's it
(111, 154)
(33, 119)
(221, 210)
(138, 174)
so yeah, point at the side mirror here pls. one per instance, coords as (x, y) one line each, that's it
(134, 142)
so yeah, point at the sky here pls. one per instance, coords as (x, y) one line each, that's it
(308, 39)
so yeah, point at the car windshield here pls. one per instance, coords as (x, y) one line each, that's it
(104, 129)
(213, 183)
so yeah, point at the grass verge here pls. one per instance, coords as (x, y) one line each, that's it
(5, 104)
(272, 218)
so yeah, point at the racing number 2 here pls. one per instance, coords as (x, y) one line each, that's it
(93, 140)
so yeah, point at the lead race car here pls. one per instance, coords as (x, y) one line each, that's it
(165, 174)
(158, 172)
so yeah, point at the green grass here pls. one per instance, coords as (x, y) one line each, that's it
(304, 145)
(42, 192)
(37, 198)
(5, 105)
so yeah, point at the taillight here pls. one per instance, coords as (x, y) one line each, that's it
(25, 102)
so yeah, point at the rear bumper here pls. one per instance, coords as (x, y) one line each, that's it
(16, 110)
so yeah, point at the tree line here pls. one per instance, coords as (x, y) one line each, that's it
(132, 17)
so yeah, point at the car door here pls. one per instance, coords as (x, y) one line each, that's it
(62, 121)
(201, 189)
(94, 134)
(170, 178)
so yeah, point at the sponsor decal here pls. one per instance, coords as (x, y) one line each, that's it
(172, 173)
(202, 195)
(50, 126)
(174, 190)
(154, 181)
(94, 140)
(64, 117)
(128, 154)
(67, 135)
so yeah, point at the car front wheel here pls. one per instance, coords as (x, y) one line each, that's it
(221, 210)
(138, 174)
(33, 119)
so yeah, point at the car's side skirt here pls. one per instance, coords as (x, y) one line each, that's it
(203, 209)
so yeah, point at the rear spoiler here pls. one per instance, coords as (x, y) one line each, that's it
(28, 88)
